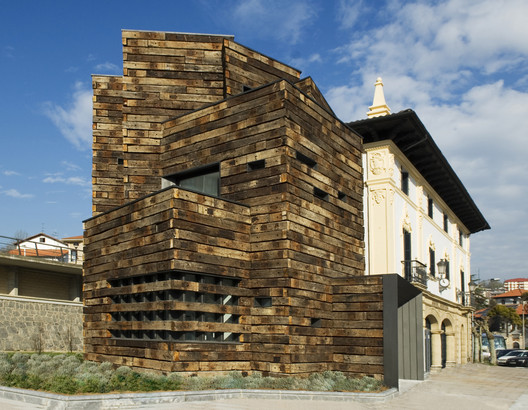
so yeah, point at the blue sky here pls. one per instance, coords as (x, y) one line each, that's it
(462, 65)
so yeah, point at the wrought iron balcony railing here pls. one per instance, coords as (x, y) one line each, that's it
(415, 272)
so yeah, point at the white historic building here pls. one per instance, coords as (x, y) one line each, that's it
(419, 214)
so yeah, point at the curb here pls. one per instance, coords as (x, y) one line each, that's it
(120, 400)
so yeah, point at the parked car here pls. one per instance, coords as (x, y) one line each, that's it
(519, 360)
(504, 352)
(504, 360)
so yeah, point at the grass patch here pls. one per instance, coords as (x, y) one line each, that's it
(70, 374)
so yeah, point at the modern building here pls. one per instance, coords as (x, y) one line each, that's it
(227, 229)
(418, 221)
(518, 283)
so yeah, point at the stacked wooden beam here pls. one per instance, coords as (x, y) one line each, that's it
(268, 276)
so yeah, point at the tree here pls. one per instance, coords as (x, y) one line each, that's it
(478, 299)
(505, 316)
(482, 326)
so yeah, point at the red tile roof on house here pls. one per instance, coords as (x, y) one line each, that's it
(43, 253)
(519, 309)
(516, 280)
(481, 313)
(73, 238)
(511, 294)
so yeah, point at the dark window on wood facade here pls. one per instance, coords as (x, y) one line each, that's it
(341, 195)
(202, 179)
(198, 314)
(120, 161)
(316, 322)
(170, 336)
(319, 193)
(305, 160)
(254, 165)
(263, 302)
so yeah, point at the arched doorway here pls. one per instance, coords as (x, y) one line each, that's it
(428, 345)
(448, 344)
(433, 357)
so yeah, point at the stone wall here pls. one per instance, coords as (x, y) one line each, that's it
(32, 325)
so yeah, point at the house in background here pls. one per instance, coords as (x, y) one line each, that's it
(42, 246)
(76, 248)
(518, 283)
(512, 297)
(227, 229)
(40, 295)
(418, 221)
(513, 334)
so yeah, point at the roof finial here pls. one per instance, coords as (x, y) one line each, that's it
(379, 107)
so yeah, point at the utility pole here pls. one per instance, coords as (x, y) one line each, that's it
(523, 325)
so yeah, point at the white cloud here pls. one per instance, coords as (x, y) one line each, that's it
(74, 121)
(284, 21)
(59, 179)
(349, 11)
(8, 173)
(462, 66)
(13, 193)
(108, 67)
(303, 63)
(439, 43)
(70, 166)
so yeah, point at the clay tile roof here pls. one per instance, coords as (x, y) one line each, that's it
(516, 280)
(53, 253)
(511, 293)
(519, 309)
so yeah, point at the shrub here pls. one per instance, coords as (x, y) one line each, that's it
(69, 374)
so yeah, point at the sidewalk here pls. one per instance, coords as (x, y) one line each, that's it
(473, 386)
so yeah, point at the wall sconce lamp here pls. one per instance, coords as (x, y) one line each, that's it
(442, 271)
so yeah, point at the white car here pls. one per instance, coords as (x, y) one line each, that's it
(503, 360)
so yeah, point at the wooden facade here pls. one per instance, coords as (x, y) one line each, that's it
(260, 271)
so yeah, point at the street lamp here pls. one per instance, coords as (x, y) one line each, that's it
(442, 272)
(472, 288)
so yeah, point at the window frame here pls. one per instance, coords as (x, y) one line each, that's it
(404, 185)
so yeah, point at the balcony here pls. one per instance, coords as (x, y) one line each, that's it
(40, 251)
(465, 298)
(415, 272)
